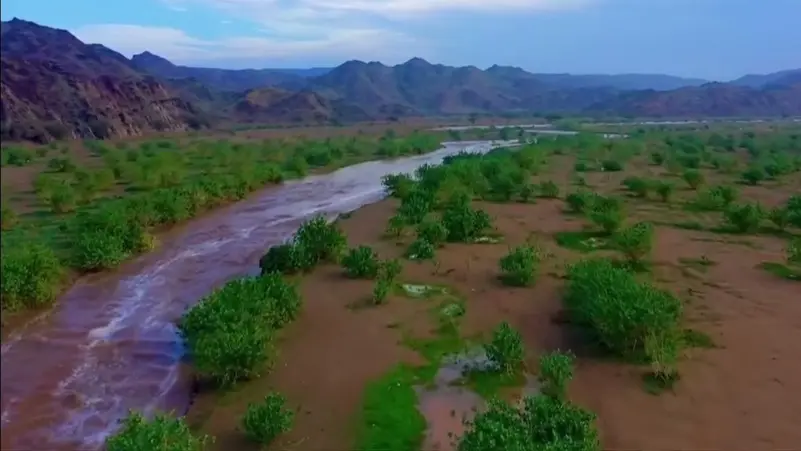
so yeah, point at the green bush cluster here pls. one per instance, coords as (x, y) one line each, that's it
(635, 242)
(162, 433)
(316, 241)
(31, 275)
(388, 274)
(546, 421)
(361, 263)
(744, 218)
(520, 266)
(263, 422)
(228, 334)
(629, 317)
(505, 350)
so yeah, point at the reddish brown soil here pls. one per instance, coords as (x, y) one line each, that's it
(742, 394)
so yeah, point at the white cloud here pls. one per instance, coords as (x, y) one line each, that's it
(178, 46)
(301, 29)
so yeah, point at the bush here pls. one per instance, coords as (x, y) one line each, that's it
(387, 275)
(657, 158)
(361, 263)
(420, 249)
(794, 251)
(549, 190)
(556, 371)
(505, 351)
(611, 166)
(519, 267)
(162, 433)
(415, 206)
(635, 242)
(398, 185)
(433, 232)
(638, 186)
(105, 237)
(463, 222)
(693, 178)
(61, 165)
(578, 202)
(320, 240)
(543, 423)
(664, 190)
(753, 175)
(607, 213)
(31, 274)
(64, 199)
(228, 332)
(620, 311)
(744, 218)
(396, 226)
(780, 217)
(265, 421)
(8, 218)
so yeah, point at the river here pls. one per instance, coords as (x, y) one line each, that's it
(110, 344)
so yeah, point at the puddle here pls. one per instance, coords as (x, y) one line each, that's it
(487, 240)
(446, 405)
(419, 291)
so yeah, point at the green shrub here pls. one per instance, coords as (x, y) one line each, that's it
(463, 222)
(794, 251)
(420, 249)
(657, 158)
(432, 231)
(611, 166)
(228, 333)
(505, 351)
(543, 423)
(693, 178)
(744, 218)
(265, 421)
(8, 217)
(396, 226)
(31, 275)
(620, 311)
(415, 206)
(556, 371)
(105, 237)
(549, 190)
(64, 199)
(638, 186)
(16, 156)
(664, 190)
(162, 433)
(361, 263)
(753, 175)
(387, 275)
(607, 213)
(635, 242)
(398, 185)
(286, 258)
(780, 217)
(320, 240)
(579, 201)
(61, 165)
(519, 267)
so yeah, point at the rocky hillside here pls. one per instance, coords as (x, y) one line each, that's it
(54, 86)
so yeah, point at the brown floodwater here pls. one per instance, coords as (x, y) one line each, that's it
(110, 344)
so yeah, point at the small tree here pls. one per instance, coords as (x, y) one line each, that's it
(606, 213)
(635, 242)
(265, 421)
(519, 267)
(744, 218)
(693, 178)
(664, 190)
(361, 263)
(505, 350)
(556, 371)
(162, 433)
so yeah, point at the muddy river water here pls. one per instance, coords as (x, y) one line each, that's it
(110, 344)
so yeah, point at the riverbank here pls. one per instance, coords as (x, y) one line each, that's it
(351, 372)
(145, 192)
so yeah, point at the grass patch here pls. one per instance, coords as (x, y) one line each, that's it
(781, 270)
(582, 241)
(489, 384)
(657, 384)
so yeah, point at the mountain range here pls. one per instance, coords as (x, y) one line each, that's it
(54, 86)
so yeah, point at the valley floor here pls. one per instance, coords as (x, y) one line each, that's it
(339, 363)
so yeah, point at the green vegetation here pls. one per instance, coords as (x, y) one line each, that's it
(162, 433)
(519, 268)
(99, 217)
(505, 350)
(361, 263)
(265, 421)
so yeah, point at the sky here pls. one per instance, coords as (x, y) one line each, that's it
(711, 39)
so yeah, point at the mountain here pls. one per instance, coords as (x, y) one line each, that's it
(275, 105)
(763, 80)
(710, 100)
(225, 79)
(622, 82)
(54, 86)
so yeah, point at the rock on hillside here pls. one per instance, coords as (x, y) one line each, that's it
(54, 86)
(286, 107)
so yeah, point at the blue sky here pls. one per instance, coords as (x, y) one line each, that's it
(713, 39)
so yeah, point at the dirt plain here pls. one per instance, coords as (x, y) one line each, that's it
(736, 393)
